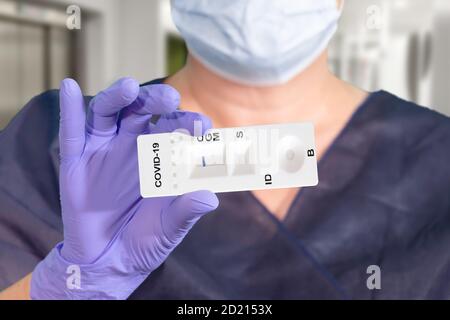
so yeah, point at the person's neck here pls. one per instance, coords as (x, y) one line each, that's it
(228, 104)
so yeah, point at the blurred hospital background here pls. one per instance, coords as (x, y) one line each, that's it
(402, 46)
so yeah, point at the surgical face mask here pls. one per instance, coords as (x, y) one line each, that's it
(256, 42)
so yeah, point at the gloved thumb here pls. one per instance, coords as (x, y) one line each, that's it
(184, 211)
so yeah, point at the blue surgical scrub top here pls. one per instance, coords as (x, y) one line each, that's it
(383, 200)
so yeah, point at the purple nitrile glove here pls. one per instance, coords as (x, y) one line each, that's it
(113, 238)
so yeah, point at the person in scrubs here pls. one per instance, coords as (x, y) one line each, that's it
(377, 226)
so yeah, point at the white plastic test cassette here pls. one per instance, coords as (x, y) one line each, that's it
(226, 160)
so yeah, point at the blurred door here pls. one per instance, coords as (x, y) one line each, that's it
(30, 61)
(33, 58)
(9, 70)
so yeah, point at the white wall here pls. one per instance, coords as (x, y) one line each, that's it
(141, 40)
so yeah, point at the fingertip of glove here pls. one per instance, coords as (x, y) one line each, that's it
(204, 200)
(129, 88)
(170, 95)
(161, 98)
(194, 123)
(206, 123)
(69, 87)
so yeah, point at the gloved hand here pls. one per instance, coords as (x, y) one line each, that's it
(113, 239)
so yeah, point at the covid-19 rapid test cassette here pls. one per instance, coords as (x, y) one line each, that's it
(226, 160)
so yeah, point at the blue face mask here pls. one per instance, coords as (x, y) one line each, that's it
(256, 42)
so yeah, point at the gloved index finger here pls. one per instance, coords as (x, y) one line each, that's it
(157, 99)
(105, 107)
(72, 119)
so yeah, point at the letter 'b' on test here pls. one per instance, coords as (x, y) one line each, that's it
(227, 160)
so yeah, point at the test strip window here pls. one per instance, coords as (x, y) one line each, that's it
(228, 160)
